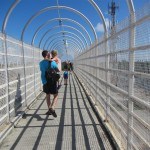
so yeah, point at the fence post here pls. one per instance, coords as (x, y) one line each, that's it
(131, 80)
(5, 51)
(107, 78)
(89, 70)
(40, 55)
(96, 64)
(7, 78)
(85, 80)
(25, 89)
(34, 69)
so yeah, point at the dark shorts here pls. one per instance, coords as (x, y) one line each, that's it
(65, 77)
(50, 88)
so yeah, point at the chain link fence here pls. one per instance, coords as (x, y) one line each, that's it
(20, 81)
(116, 73)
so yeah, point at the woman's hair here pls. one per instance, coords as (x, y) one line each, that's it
(54, 53)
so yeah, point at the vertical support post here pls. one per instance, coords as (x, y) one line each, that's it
(131, 80)
(34, 69)
(86, 81)
(88, 62)
(39, 61)
(96, 64)
(7, 78)
(24, 70)
(107, 79)
(5, 50)
(90, 71)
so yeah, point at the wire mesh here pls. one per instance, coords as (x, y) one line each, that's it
(16, 56)
(117, 76)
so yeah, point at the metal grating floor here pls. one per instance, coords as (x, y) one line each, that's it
(75, 128)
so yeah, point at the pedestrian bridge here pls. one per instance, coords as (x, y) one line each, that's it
(76, 126)
(106, 104)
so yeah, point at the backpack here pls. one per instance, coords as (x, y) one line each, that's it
(51, 73)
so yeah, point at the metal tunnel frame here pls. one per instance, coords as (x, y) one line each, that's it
(50, 47)
(73, 42)
(55, 27)
(70, 42)
(75, 48)
(57, 19)
(129, 2)
(69, 37)
(72, 48)
(53, 35)
(56, 7)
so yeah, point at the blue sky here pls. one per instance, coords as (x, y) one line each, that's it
(27, 8)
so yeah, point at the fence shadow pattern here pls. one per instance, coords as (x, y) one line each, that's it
(76, 126)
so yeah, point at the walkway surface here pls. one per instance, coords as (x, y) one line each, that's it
(75, 128)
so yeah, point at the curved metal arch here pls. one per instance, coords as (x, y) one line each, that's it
(79, 46)
(61, 36)
(61, 32)
(53, 35)
(69, 41)
(130, 6)
(60, 7)
(74, 35)
(67, 36)
(71, 46)
(70, 53)
(60, 42)
(100, 14)
(8, 14)
(68, 32)
(59, 47)
(49, 21)
(63, 44)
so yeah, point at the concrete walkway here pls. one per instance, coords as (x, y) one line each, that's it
(75, 128)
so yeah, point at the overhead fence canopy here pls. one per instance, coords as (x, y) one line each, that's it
(113, 63)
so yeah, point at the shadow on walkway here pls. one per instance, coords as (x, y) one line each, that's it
(76, 126)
